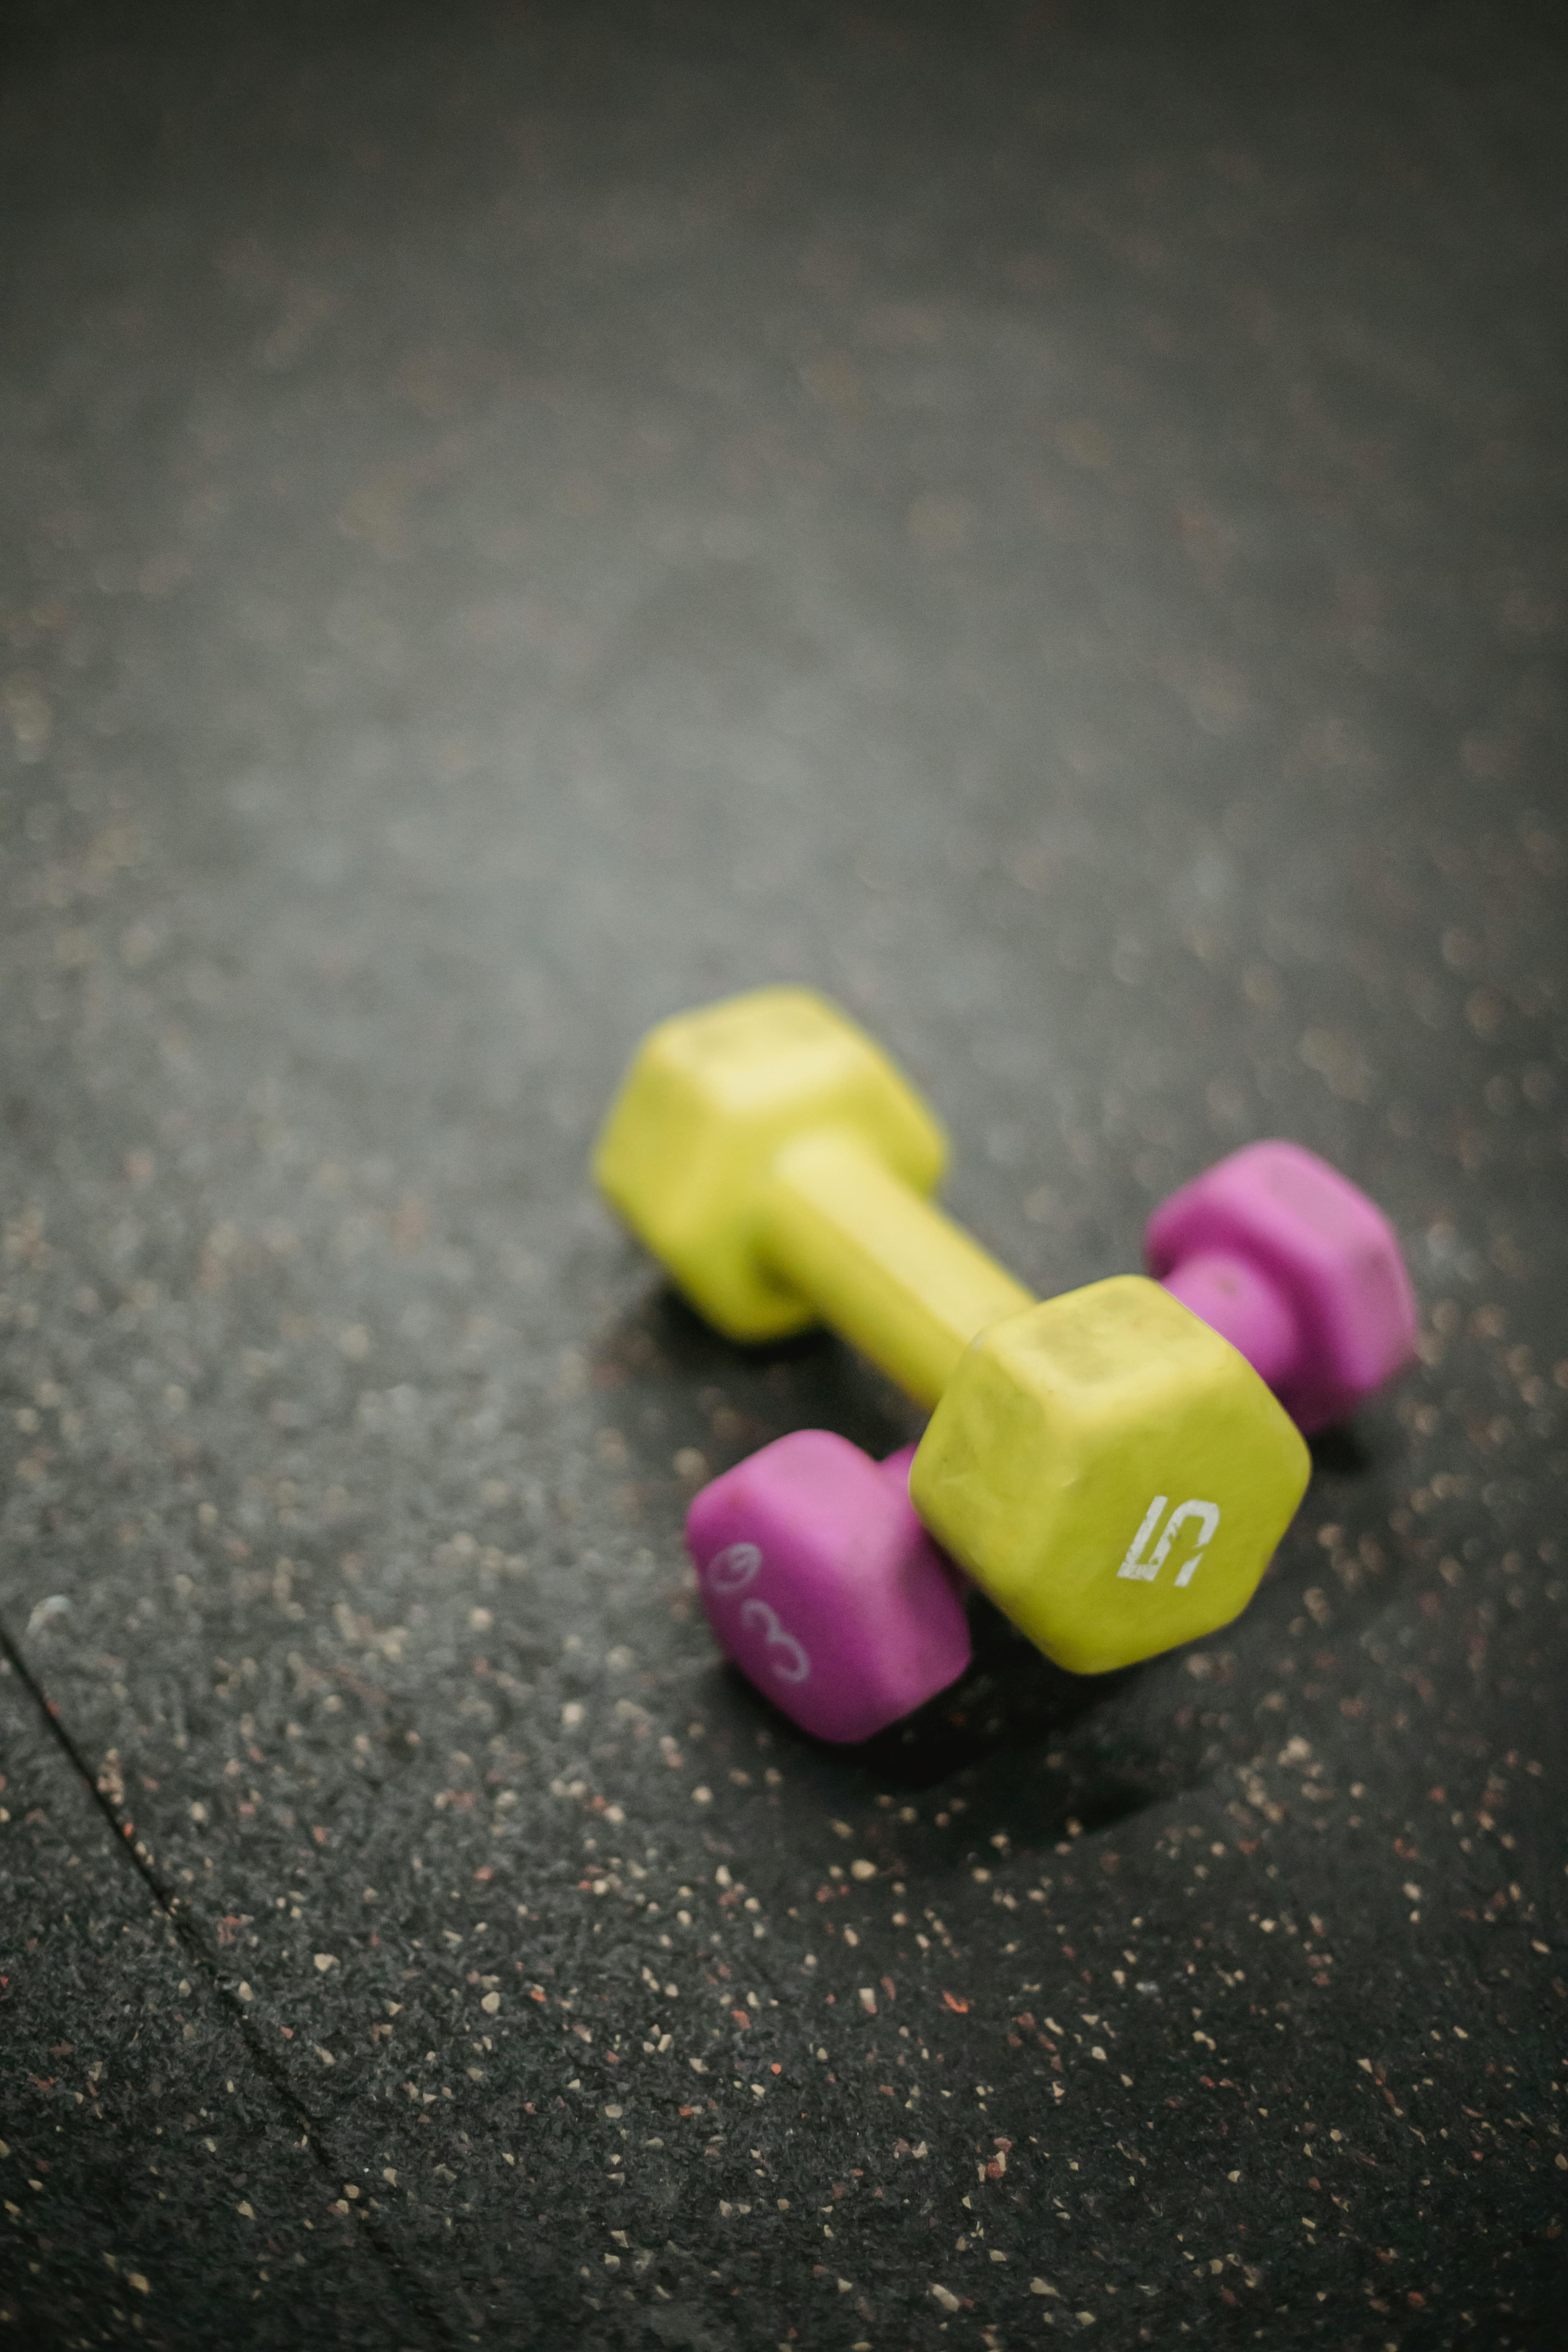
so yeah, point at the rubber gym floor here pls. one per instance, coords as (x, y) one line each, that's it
(1047, 523)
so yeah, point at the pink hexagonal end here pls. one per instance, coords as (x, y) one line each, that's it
(823, 1587)
(1343, 1317)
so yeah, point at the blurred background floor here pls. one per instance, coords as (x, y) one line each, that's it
(1047, 522)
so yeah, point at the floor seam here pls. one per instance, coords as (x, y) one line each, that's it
(184, 1924)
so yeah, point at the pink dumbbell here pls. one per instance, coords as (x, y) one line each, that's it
(818, 1579)
(822, 1586)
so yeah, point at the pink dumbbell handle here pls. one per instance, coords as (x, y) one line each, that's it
(1243, 1306)
(1292, 1264)
(895, 1468)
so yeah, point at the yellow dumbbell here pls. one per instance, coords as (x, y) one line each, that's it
(1106, 1466)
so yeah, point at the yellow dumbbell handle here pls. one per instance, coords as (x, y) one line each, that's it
(887, 1270)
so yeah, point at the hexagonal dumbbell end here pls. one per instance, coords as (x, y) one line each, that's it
(1297, 1268)
(709, 1101)
(1110, 1472)
(780, 1168)
(823, 1587)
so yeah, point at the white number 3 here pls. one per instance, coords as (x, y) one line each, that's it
(792, 1665)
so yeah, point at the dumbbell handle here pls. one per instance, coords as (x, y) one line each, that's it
(910, 1289)
(884, 1268)
(898, 1278)
(895, 1468)
(1239, 1302)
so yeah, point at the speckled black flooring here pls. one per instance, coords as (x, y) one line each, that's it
(1047, 522)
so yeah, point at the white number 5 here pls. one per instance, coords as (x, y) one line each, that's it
(1135, 1564)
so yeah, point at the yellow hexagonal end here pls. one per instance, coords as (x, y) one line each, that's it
(709, 1100)
(1112, 1472)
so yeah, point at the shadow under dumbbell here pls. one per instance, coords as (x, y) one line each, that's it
(1011, 1701)
(1340, 1452)
(1046, 1754)
(813, 1381)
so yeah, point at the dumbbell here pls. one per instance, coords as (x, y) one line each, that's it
(810, 1551)
(823, 1587)
(779, 1166)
